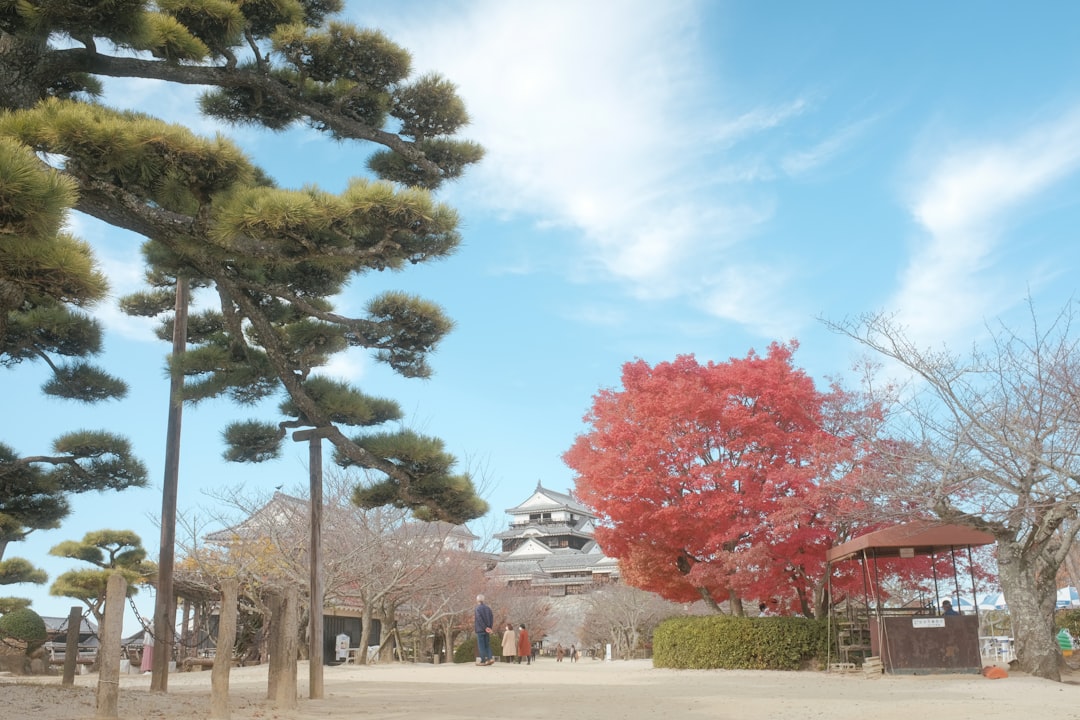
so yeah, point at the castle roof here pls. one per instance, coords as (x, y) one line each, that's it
(544, 499)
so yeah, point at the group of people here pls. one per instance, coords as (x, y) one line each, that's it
(561, 652)
(515, 643)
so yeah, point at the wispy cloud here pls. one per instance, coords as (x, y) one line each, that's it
(964, 204)
(803, 161)
(599, 118)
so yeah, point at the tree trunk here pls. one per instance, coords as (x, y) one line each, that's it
(1031, 608)
(822, 600)
(386, 650)
(365, 634)
(736, 604)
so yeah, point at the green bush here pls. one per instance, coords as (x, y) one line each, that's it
(720, 641)
(25, 625)
(1070, 620)
(466, 651)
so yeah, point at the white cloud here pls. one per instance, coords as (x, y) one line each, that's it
(350, 366)
(751, 295)
(598, 118)
(964, 204)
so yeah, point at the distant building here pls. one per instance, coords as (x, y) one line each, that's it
(550, 545)
(287, 520)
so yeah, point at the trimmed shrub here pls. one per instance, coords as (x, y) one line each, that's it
(466, 651)
(721, 641)
(25, 625)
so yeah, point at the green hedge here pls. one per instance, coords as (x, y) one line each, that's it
(721, 641)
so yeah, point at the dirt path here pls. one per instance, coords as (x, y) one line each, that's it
(548, 690)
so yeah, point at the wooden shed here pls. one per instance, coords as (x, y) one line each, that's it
(915, 640)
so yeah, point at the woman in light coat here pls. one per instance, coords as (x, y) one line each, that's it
(509, 644)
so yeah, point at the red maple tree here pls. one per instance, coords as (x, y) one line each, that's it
(716, 481)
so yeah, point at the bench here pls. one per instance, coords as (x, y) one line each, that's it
(83, 662)
(58, 653)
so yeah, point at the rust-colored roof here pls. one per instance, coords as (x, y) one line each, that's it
(924, 537)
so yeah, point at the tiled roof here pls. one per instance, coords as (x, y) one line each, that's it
(558, 501)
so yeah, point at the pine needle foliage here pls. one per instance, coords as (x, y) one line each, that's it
(273, 260)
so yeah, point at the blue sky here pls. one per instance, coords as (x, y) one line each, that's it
(661, 178)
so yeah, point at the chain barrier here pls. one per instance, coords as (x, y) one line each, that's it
(178, 641)
(63, 627)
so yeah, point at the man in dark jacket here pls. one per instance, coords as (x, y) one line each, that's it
(483, 619)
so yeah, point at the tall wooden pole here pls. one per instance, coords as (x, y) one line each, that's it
(314, 439)
(165, 602)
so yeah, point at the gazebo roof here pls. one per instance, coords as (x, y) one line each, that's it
(918, 537)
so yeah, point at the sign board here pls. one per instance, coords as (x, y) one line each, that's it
(928, 622)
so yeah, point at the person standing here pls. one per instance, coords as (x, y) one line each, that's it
(559, 653)
(483, 619)
(509, 644)
(524, 647)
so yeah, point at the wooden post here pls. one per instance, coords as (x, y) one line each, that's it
(186, 634)
(71, 645)
(275, 603)
(282, 681)
(165, 601)
(314, 438)
(108, 689)
(226, 641)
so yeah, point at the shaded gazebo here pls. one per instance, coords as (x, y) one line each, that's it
(915, 640)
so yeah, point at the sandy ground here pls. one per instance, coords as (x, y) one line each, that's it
(631, 690)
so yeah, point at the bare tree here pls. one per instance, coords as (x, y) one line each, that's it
(521, 605)
(625, 617)
(991, 440)
(372, 559)
(441, 604)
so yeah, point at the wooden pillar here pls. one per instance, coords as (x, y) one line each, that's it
(108, 689)
(71, 645)
(314, 438)
(275, 604)
(285, 623)
(226, 641)
(165, 601)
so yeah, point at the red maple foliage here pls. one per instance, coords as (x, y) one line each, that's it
(719, 481)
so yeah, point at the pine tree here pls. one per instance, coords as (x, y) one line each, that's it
(48, 281)
(109, 551)
(274, 257)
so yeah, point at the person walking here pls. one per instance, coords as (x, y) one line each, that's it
(483, 619)
(509, 644)
(524, 647)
